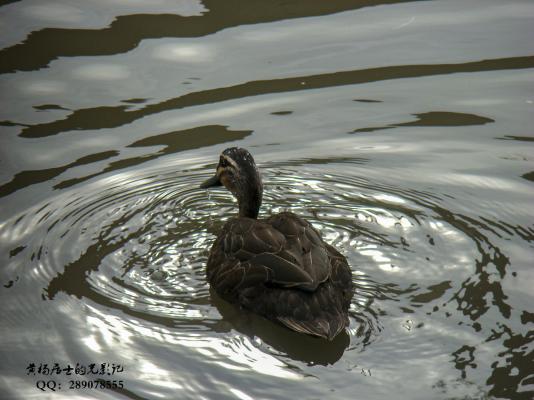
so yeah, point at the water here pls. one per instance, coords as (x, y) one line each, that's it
(401, 130)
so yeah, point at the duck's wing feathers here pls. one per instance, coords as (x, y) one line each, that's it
(303, 247)
(284, 251)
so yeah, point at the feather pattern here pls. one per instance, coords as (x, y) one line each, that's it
(278, 267)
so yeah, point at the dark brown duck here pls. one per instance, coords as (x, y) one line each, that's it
(278, 267)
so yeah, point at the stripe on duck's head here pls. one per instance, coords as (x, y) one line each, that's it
(237, 172)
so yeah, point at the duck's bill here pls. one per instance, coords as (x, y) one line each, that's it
(213, 181)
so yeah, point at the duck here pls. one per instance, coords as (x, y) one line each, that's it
(278, 267)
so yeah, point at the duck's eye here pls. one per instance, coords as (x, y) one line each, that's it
(223, 163)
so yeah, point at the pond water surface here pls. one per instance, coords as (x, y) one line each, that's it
(403, 130)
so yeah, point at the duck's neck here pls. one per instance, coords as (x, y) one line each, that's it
(250, 201)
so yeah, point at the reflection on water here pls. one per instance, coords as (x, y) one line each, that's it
(109, 117)
(436, 118)
(110, 121)
(141, 247)
(47, 44)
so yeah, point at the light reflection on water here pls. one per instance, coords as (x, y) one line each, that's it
(141, 251)
(412, 158)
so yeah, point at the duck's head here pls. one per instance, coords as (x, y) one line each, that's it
(237, 172)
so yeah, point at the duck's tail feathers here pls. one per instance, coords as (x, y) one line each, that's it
(324, 328)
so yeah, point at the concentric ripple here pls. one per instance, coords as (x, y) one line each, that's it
(384, 232)
(140, 244)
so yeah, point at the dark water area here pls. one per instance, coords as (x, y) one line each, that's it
(403, 130)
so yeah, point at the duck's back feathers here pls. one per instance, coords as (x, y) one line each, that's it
(281, 268)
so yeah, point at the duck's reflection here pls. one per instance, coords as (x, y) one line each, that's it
(297, 346)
